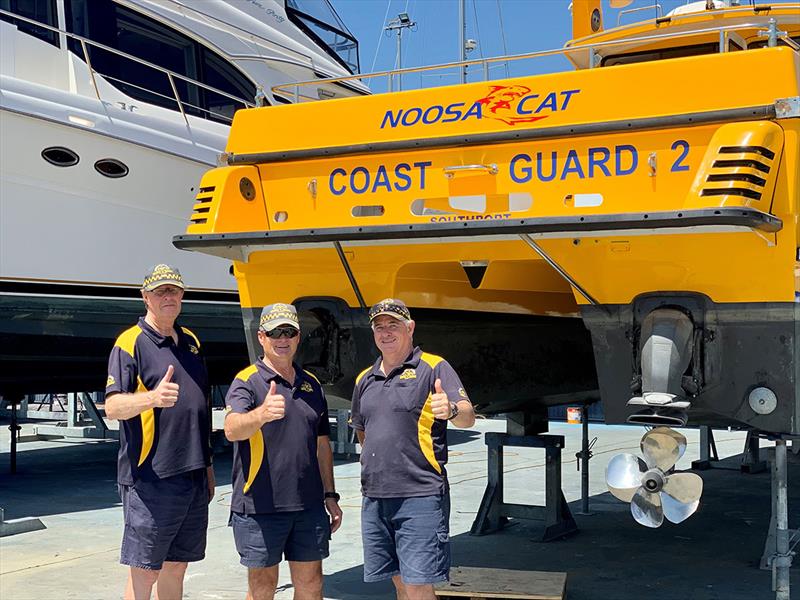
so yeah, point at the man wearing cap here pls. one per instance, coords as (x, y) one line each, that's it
(158, 389)
(282, 463)
(401, 406)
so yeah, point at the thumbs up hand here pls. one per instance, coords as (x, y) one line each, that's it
(440, 405)
(274, 405)
(166, 393)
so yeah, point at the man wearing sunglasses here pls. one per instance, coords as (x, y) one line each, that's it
(277, 417)
(401, 406)
(158, 389)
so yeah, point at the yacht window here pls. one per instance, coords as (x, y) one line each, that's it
(43, 11)
(125, 30)
(319, 20)
(220, 74)
(666, 53)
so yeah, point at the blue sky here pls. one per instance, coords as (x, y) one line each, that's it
(528, 25)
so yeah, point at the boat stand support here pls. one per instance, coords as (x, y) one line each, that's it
(778, 549)
(709, 458)
(494, 512)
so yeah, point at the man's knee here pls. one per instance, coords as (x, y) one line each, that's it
(144, 576)
(262, 582)
(174, 569)
(307, 577)
(419, 592)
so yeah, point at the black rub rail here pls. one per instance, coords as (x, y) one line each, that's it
(730, 217)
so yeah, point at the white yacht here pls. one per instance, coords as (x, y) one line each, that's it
(110, 112)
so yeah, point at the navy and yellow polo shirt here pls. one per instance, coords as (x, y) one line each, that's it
(405, 450)
(276, 470)
(161, 442)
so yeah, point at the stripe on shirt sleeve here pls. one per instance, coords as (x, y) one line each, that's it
(431, 359)
(361, 375)
(127, 339)
(245, 374)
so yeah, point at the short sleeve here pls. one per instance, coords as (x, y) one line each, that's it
(356, 420)
(239, 398)
(123, 374)
(451, 383)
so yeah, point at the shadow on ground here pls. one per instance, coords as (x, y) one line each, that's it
(712, 556)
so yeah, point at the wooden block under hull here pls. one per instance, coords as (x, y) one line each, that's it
(474, 582)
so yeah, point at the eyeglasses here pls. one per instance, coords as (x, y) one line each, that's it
(279, 332)
(167, 290)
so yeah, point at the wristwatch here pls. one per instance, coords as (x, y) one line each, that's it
(453, 411)
(333, 495)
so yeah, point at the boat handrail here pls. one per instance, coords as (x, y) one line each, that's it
(655, 5)
(171, 75)
(723, 31)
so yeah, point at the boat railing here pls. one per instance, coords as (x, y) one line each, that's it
(723, 33)
(171, 76)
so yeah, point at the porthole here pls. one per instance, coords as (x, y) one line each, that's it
(111, 167)
(60, 156)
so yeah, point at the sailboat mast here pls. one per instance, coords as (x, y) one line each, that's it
(462, 38)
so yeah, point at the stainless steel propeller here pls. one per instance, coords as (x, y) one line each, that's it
(650, 485)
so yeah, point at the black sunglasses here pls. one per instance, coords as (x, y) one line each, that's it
(279, 332)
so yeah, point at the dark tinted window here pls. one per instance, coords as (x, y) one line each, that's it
(43, 11)
(666, 53)
(140, 36)
(319, 20)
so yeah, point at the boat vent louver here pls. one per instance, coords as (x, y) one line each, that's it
(202, 205)
(739, 171)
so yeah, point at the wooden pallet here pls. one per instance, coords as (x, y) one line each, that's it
(484, 584)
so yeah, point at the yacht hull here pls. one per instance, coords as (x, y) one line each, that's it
(60, 343)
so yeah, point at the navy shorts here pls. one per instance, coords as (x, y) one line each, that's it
(406, 536)
(263, 539)
(165, 520)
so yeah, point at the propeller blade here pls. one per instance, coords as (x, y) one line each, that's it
(663, 447)
(676, 511)
(684, 487)
(646, 508)
(624, 475)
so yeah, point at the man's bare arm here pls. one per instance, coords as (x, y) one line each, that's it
(126, 406)
(241, 426)
(465, 416)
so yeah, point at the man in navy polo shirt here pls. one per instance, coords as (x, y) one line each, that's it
(282, 464)
(400, 409)
(158, 389)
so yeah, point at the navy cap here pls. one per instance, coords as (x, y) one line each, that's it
(392, 307)
(277, 314)
(162, 275)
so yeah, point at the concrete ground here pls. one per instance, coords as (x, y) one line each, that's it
(712, 556)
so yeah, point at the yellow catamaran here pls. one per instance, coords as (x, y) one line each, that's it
(651, 195)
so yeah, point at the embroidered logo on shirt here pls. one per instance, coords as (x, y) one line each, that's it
(306, 387)
(193, 349)
(462, 393)
(408, 374)
(110, 381)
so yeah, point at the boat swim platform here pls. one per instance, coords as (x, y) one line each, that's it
(70, 485)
